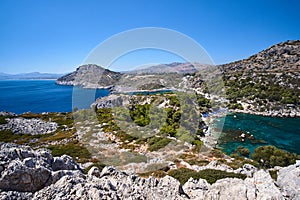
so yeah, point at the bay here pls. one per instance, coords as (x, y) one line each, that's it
(251, 131)
(38, 96)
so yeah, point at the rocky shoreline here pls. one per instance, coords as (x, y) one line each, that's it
(283, 113)
(35, 174)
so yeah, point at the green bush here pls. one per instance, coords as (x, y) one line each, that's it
(235, 106)
(104, 115)
(140, 114)
(198, 144)
(74, 149)
(125, 137)
(2, 120)
(156, 143)
(270, 156)
(243, 151)
(210, 175)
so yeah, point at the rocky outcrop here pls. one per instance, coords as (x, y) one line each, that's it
(110, 101)
(90, 76)
(112, 184)
(289, 181)
(29, 174)
(7, 114)
(261, 186)
(29, 126)
(25, 170)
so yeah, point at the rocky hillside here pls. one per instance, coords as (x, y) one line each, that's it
(29, 174)
(266, 83)
(176, 67)
(161, 77)
(282, 57)
(90, 76)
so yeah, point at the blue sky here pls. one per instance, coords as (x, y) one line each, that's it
(57, 35)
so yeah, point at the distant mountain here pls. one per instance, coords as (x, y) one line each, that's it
(176, 67)
(90, 76)
(32, 75)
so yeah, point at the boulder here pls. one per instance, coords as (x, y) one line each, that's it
(24, 170)
(289, 181)
(64, 162)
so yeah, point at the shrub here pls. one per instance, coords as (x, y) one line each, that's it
(210, 175)
(2, 120)
(156, 143)
(140, 114)
(235, 106)
(243, 151)
(74, 149)
(270, 156)
(125, 137)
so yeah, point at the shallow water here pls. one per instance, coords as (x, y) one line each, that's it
(251, 131)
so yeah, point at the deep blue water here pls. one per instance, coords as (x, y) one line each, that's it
(283, 133)
(37, 96)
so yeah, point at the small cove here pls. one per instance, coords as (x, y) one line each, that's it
(251, 131)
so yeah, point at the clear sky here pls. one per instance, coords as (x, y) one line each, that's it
(57, 35)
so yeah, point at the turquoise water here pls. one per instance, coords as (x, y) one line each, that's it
(37, 96)
(283, 133)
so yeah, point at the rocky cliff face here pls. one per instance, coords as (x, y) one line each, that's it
(29, 174)
(90, 76)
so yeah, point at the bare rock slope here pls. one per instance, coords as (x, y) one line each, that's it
(29, 174)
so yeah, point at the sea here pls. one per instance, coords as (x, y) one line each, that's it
(36, 96)
(234, 130)
(251, 131)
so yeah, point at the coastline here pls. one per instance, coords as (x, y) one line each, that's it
(282, 113)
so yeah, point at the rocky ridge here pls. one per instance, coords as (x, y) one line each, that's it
(29, 174)
(281, 57)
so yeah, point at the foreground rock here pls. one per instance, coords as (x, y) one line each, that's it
(289, 181)
(28, 174)
(29, 126)
(25, 170)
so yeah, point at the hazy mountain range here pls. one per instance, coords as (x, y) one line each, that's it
(32, 75)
